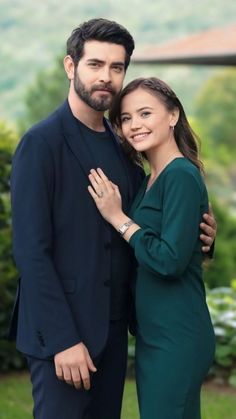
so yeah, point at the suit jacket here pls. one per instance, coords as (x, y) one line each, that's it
(61, 243)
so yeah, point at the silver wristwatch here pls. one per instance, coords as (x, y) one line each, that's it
(124, 227)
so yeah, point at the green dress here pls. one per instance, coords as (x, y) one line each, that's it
(175, 339)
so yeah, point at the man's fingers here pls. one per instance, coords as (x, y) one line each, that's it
(67, 375)
(76, 377)
(205, 249)
(207, 240)
(90, 364)
(84, 372)
(210, 220)
(59, 372)
(73, 365)
(209, 231)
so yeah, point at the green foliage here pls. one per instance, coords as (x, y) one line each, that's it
(222, 269)
(49, 90)
(8, 356)
(216, 110)
(222, 306)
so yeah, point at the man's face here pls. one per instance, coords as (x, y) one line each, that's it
(99, 74)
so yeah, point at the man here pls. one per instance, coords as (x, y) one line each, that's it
(71, 313)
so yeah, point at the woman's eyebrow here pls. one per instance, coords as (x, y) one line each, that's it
(138, 110)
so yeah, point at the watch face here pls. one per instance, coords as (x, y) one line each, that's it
(123, 229)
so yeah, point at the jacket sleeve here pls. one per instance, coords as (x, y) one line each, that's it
(167, 254)
(32, 185)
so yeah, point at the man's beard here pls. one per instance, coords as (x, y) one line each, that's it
(101, 103)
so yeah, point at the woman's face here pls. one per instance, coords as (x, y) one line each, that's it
(145, 121)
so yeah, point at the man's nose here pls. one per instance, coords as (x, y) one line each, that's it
(105, 75)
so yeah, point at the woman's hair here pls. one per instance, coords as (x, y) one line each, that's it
(185, 138)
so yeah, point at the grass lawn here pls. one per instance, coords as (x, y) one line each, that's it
(16, 402)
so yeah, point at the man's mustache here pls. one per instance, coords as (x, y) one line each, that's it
(107, 87)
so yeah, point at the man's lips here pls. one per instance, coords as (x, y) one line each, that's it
(104, 90)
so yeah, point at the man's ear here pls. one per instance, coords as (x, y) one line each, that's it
(69, 67)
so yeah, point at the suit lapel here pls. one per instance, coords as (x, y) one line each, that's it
(74, 138)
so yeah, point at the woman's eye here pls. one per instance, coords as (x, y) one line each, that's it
(145, 114)
(125, 119)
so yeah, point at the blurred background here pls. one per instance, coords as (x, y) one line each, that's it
(192, 46)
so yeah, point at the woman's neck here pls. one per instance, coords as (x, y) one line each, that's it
(160, 158)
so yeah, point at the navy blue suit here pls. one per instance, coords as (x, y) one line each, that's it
(61, 243)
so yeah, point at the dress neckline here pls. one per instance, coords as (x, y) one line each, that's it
(158, 177)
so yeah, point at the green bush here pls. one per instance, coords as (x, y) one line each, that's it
(222, 305)
(9, 358)
(219, 271)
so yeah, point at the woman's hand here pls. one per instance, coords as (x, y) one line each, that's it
(106, 196)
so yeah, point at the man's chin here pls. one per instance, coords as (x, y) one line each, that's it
(102, 106)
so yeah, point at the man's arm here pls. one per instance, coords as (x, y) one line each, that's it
(32, 185)
(32, 189)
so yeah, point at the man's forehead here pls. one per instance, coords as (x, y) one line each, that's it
(103, 50)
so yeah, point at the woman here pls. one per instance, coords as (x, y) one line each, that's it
(175, 338)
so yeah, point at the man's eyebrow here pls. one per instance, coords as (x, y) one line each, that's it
(96, 60)
(119, 63)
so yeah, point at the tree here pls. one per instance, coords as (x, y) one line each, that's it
(48, 91)
(216, 110)
(222, 269)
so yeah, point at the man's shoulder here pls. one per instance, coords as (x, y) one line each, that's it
(49, 127)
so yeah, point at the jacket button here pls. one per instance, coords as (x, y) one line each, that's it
(107, 283)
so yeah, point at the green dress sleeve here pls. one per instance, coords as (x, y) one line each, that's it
(167, 252)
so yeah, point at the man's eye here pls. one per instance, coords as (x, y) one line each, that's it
(94, 65)
(118, 69)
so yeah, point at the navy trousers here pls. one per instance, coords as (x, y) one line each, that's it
(55, 399)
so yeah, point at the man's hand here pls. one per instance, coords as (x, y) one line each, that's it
(73, 365)
(209, 228)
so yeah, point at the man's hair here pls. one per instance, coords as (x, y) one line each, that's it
(102, 30)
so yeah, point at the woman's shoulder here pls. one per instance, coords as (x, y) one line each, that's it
(182, 169)
(182, 165)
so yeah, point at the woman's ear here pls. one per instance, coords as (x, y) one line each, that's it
(69, 67)
(174, 117)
